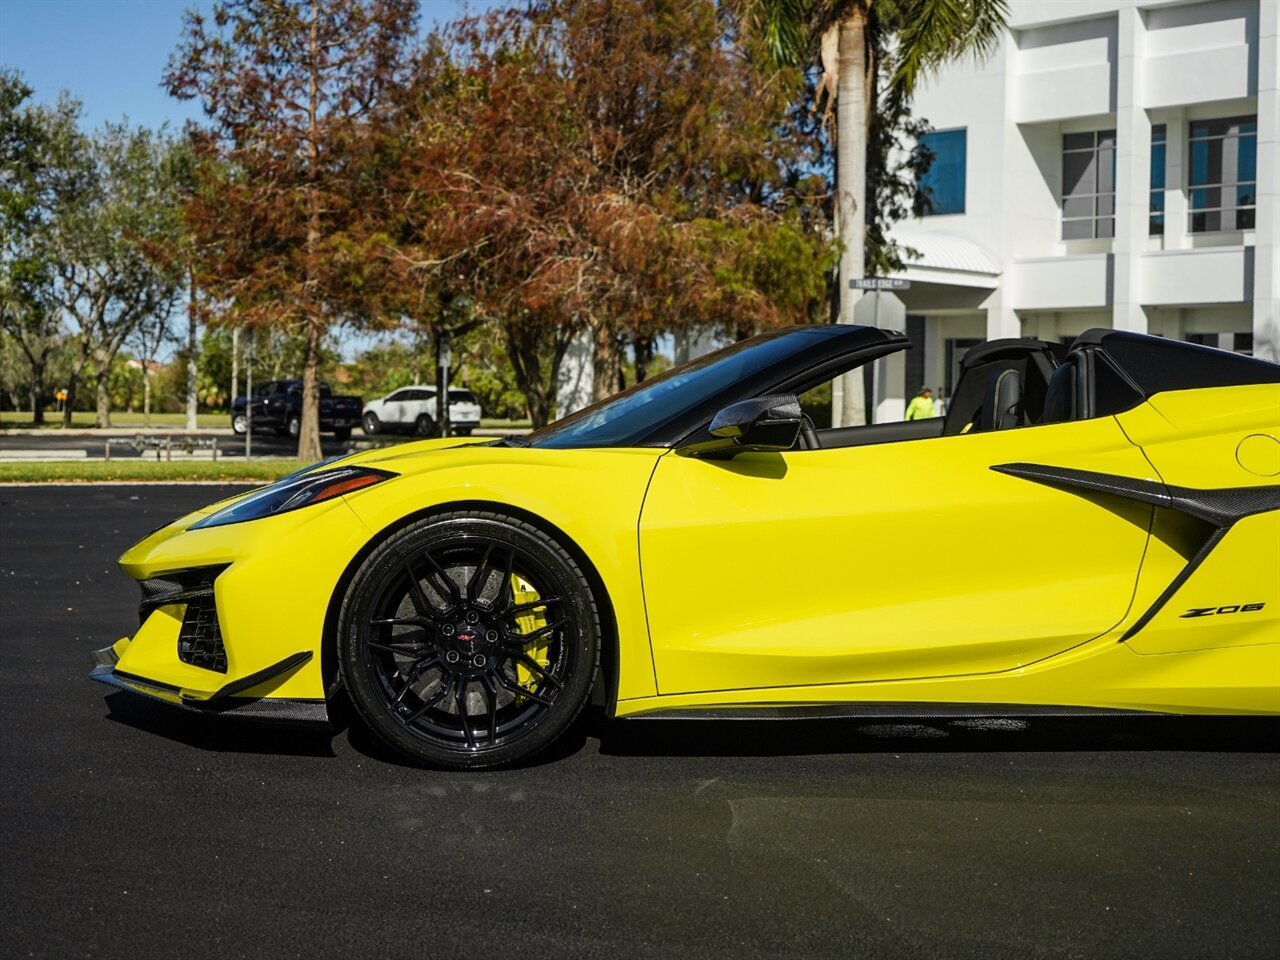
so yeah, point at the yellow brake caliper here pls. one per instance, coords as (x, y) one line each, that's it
(540, 650)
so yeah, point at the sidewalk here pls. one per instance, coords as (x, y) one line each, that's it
(114, 431)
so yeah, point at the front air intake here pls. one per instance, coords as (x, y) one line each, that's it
(200, 640)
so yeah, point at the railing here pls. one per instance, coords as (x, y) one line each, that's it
(141, 443)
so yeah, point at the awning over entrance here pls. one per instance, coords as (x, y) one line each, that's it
(946, 258)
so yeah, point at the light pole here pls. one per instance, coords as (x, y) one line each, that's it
(248, 398)
(876, 285)
(444, 356)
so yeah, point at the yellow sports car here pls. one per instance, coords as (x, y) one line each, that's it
(1086, 531)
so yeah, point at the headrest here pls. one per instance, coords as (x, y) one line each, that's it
(1002, 406)
(1060, 397)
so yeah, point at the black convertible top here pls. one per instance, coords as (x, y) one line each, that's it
(1156, 364)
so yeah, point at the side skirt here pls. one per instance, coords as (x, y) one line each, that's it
(835, 711)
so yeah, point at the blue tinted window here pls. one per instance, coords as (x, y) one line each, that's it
(1158, 157)
(1224, 174)
(942, 185)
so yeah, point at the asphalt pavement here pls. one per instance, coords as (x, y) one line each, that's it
(130, 829)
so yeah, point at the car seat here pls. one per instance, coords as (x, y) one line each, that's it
(1060, 397)
(1001, 403)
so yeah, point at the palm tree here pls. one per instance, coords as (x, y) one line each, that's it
(847, 38)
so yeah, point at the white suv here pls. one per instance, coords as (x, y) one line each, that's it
(414, 409)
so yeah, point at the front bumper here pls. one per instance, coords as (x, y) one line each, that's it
(267, 591)
(305, 712)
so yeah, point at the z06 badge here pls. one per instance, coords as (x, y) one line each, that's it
(1232, 608)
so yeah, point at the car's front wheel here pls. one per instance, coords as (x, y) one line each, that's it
(469, 640)
(293, 426)
(240, 424)
(370, 423)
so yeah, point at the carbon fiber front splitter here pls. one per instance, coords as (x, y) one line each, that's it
(313, 713)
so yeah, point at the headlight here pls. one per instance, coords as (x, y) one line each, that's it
(294, 491)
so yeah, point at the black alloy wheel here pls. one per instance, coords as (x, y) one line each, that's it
(469, 640)
(424, 426)
(370, 423)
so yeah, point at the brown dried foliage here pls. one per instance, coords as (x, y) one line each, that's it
(615, 166)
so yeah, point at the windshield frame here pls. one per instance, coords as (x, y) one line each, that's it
(792, 354)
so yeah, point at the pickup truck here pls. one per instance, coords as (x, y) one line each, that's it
(277, 405)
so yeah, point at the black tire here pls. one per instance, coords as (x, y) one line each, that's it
(424, 426)
(293, 426)
(239, 424)
(370, 424)
(457, 681)
(462, 431)
(342, 434)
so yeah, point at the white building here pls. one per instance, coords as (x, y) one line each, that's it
(1116, 163)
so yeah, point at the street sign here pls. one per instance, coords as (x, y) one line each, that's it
(879, 283)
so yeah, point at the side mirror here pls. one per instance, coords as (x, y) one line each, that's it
(762, 424)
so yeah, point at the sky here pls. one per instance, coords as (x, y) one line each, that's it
(111, 53)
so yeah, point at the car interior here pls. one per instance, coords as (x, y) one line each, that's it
(1004, 384)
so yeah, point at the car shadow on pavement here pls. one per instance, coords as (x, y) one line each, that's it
(733, 738)
(218, 733)
(764, 738)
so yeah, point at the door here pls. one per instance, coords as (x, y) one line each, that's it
(899, 560)
(394, 407)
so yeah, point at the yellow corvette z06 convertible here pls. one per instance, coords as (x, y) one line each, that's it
(1100, 527)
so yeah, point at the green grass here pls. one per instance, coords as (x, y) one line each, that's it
(143, 470)
(53, 420)
(131, 421)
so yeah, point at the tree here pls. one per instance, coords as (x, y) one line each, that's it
(872, 53)
(147, 338)
(180, 256)
(40, 152)
(614, 167)
(103, 224)
(287, 86)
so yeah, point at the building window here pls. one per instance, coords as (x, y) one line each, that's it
(1158, 157)
(941, 157)
(1236, 342)
(1089, 185)
(1224, 174)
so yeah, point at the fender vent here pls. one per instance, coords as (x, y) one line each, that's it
(200, 640)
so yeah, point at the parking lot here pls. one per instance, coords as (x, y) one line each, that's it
(130, 829)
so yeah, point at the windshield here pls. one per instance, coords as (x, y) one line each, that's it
(627, 418)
